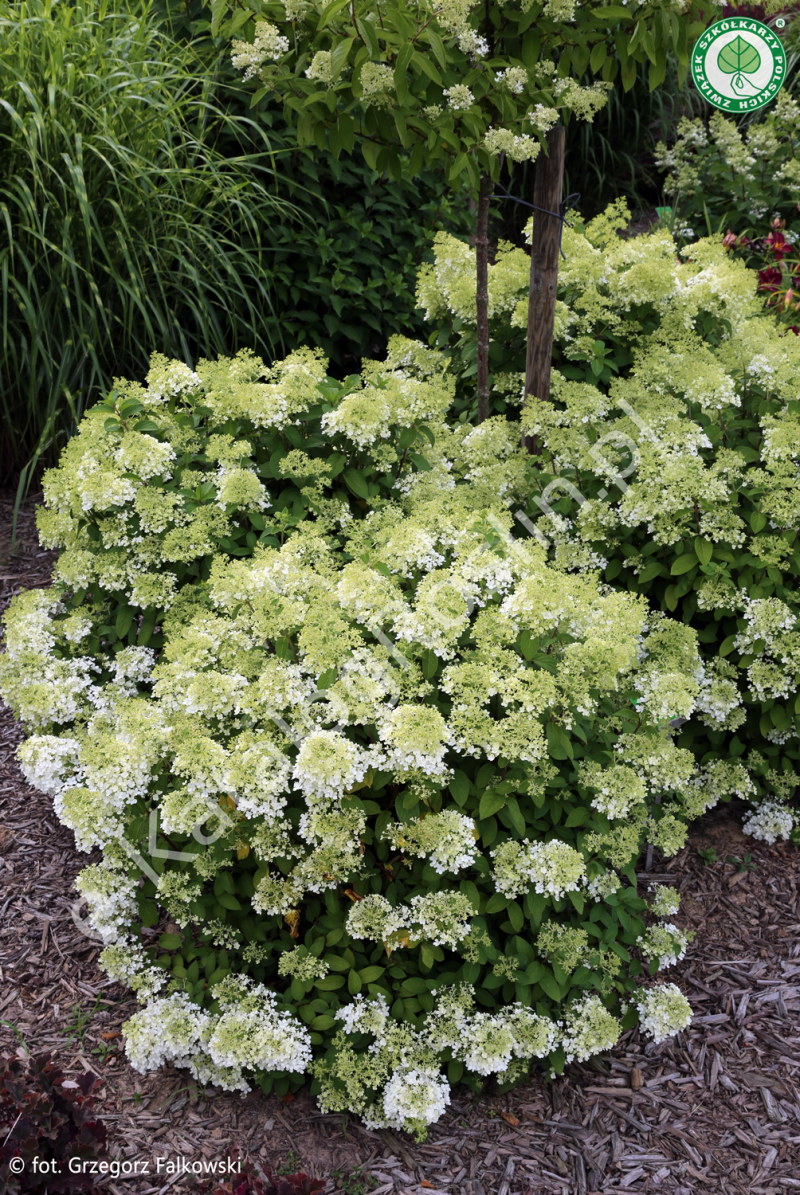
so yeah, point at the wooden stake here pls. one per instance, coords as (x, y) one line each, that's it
(544, 272)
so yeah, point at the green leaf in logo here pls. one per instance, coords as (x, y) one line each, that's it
(739, 58)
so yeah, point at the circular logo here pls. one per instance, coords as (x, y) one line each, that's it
(738, 64)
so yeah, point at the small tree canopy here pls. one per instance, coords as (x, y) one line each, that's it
(456, 81)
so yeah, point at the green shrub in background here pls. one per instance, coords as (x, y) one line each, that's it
(667, 459)
(743, 181)
(344, 281)
(387, 770)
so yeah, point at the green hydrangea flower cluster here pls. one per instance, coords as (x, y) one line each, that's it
(667, 463)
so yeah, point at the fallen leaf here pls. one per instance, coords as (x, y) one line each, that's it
(110, 1036)
(287, 1099)
(425, 1183)
(636, 1079)
(510, 1118)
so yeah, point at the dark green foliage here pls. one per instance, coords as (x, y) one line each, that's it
(344, 280)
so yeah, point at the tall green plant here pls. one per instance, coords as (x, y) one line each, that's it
(125, 228)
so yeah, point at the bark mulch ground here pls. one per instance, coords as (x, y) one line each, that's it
(716, 1109)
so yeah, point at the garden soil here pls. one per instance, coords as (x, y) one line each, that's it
(716, 1109)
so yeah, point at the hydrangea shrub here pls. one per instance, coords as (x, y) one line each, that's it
(668, 462)
(370, 798)
(744, 182)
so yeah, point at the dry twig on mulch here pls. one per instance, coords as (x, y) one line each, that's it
(716, 1109)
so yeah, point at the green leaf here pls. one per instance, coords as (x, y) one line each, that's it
(148, 913)
(758, 521)
(437, 45)
(421, 62)
(340, 55)
(703, 549)
(400, 70)
(470, 890)
(323, 1022)
(577, 817)
(329, 983)
(558, 742)
(549, 986)
(457, 167)
(491, 801)
(427, 957)
(459, 787)
(124, 621)
(515, 915)
(413, 986)
(170, 942)
(683, 564)
(368, 35)
(354, 983)
(330, 12)
(598, 57)
(229, 902)
(430, 663)
(739, 57)
(513, 813)
(727, 645)
(354, 479)
(496, 903)
(654, 569)
(371, 974)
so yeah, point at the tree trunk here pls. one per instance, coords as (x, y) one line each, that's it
(482, 294)
(544, 272)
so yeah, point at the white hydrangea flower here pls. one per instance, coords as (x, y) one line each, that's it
(459, 97)
(490, 1044)
(415, 1097)
(365, 1016)
(253, 1034)
(550, 868)
(769, 822)
(664, 942)
(442, 917)
(48, 762)
(446, 839)
(588, 1029)
(514, 79)
(663, 1011)
(269, 45)
(111, 897)
(603, 885)
(472, 42)
(666, 901)
(126, 962)
(519, 147)
(168, 1030)
(328, 764)
(416, 737)
(320, 67)
(374, 918)
(377, 80)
